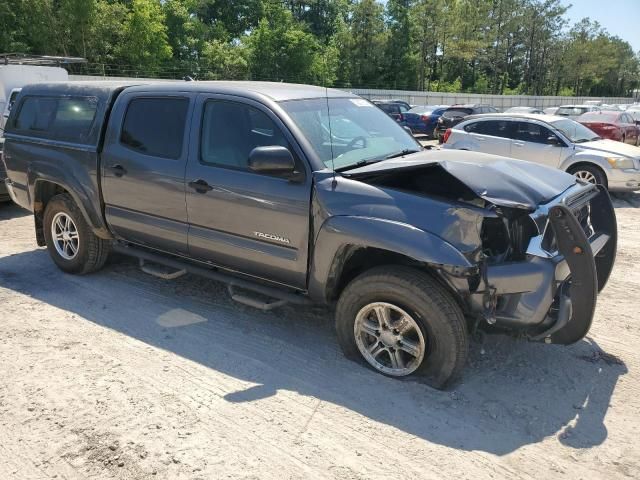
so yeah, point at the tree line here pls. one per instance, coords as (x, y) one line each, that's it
(479, 46)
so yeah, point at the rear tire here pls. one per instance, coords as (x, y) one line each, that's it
(425, 332)
(71, 244)
(589, 173)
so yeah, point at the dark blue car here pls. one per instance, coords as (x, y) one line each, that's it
(423, 120)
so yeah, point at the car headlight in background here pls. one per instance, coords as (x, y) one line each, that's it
(621, 162)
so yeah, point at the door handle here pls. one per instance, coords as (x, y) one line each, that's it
(518, 144)
(200, 186)
(118, 170)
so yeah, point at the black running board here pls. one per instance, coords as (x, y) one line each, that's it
(281, 295)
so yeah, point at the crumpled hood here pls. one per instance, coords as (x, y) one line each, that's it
(611, 147)
(499, 180)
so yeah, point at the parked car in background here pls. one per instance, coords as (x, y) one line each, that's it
(424, 120)
(7, 108)
(550, 110)
(553, 141)
(394, 108)
(574, 111)
(634, 111)
(533, 110)
(457, 113)
(614, 125)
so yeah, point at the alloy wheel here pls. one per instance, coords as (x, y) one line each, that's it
(586, 176)
(65, 236)
(389, 339)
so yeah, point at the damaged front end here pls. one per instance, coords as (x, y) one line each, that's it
(547, 291)
(546, 246)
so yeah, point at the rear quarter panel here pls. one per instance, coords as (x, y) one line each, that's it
(31, 161)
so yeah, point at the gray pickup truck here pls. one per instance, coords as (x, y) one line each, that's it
(293, 193)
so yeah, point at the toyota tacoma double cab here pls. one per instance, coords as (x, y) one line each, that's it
(300, 194)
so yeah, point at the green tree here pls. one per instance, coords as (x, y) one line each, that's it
(145, 44)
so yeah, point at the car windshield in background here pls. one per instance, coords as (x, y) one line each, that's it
(574, 131)
(599, 117)
(422, 110)
(570, 111)
(458, 112)
(12, 100)
(355, 133)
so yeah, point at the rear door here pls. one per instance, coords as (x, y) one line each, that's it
(143, 166)
(492, 136)
(244, 221)
(531, 141)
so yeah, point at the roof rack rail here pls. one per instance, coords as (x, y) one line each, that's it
(38, 60)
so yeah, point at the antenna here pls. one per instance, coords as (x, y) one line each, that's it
(333, 167)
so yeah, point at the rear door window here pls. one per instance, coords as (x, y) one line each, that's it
(532, 132)
(155, 126)
(494, 128)
(389, 108)
(65, 119)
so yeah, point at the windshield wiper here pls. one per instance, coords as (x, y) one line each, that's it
(361, 163)
(401, 153)
(369, 161)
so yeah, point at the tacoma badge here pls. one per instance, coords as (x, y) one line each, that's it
(271, 236)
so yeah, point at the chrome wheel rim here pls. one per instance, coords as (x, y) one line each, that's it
(65, 236)
(389, 339)
(586, 176)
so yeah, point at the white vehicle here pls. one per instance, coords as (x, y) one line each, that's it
(574, 111)
(553, 141)
(14, 77)
(7, 108)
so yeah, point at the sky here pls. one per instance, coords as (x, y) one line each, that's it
(618, 17)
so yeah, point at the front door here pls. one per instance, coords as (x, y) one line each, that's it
(533, 142)
(143, 166)
(252, 223)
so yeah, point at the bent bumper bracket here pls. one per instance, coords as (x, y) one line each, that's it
(575, 248)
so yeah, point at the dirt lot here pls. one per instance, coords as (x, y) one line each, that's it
(121, 375)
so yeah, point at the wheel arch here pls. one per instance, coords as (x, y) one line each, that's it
(43, 191)
(580, 163)
(349, 246)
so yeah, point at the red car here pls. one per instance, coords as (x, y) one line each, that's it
(613, 125)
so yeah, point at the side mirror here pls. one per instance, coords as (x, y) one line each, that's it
(553, 140)
(272, 160)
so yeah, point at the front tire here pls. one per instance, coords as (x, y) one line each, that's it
(401, 322)
(589, 173)
(72, 245)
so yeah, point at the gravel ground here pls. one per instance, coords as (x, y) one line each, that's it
(122, 375)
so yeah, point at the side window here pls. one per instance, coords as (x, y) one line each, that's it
(532, 132)
(36, 114)
(66, 119)
(231, 130)
(155, 126)
(472, 127)
(495, 128)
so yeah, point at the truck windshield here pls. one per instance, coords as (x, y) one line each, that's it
(347, 132)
